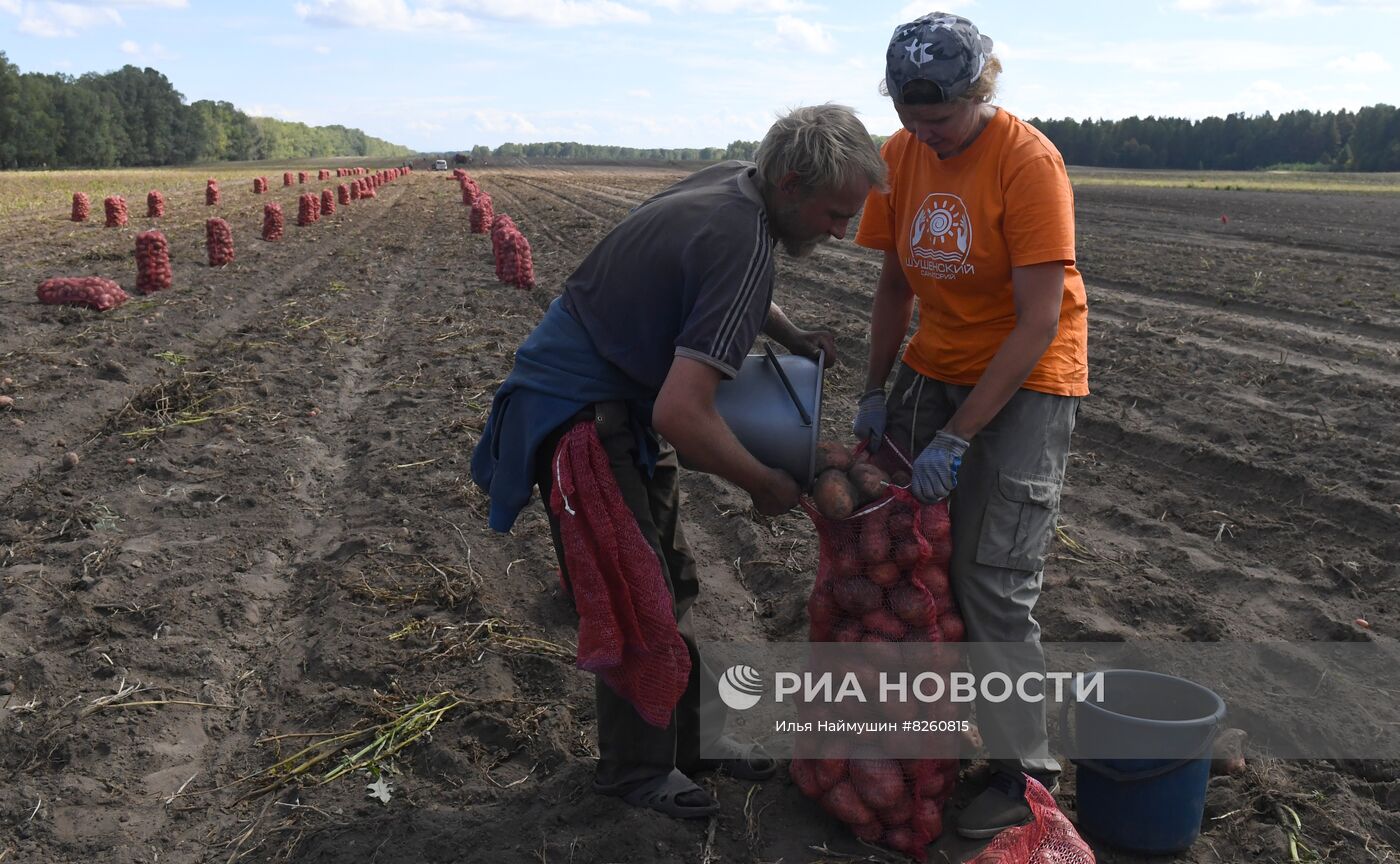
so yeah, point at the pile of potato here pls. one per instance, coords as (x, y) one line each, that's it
(219, 240)
(482, 214)
(115, 207)
(302, 177)
(308, 208)
(211, 192)
(152, 262)
(323, 174)
(259, 185)
(343, 193)
(272, 221)
(91, 291)
(288, 178)
(511, 250)
(327, 201)
(155, 205)
(81, 207)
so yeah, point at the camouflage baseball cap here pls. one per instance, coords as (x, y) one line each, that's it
(940, 48)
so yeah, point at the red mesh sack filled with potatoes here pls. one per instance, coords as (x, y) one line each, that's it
(327, 201)
(343, 193)
(152, 262)
(211, 192)
(93, 292)
(882, 577)
(367, 189)
(219, 240)
(306, 209)
(323, 174)
(288, 178)
(81, 207)
(272, 221)
(302, 177)
(115, 207)
(512, 253)
(155, 205)
(482, 213)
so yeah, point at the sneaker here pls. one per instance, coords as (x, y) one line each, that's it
(1000, 806)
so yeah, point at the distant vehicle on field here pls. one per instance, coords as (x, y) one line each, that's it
(440, 165)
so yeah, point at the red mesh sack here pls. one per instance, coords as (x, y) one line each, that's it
(288, 178)
(327, 201)
(367, 189)
(155, 205)
(343, 193)
(219, 240)
(258, 187)
(272, 221)
(470, 191)
(211, 192)
(115, 207)
(482, 214)
(1048, 838)
(355, 191)
(882, 577)
(323, 174)
(91, 291)
(81, 207)
(301, 177)
(306, 209)
(152, 262)
(512, 253)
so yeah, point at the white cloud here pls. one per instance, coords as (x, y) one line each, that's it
(52, 20)
(129, 47)
(280, 112)
(639, 93)
(10, 6)
(495, 121)
(552, 13)
(321, 49)
(1365, 63)
(729, 7)
(918, 9)
(382, 14)
(1280, 8)
(796, 34)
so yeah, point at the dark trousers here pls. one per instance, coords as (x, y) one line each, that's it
(629, 748)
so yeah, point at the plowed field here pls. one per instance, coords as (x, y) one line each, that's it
(271, 536)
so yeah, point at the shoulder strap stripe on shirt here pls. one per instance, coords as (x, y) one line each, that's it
(753, 276)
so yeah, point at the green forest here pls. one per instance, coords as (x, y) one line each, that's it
(136, 117)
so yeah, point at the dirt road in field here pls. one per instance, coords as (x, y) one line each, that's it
(271, 536)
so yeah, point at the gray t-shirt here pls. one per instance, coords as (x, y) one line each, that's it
(688, 273)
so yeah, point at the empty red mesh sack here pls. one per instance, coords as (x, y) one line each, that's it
(81, 207)
(327, 201)
(155, 205)
(93, 292)
(211, 192)
(1049, 838)
(272, 221)
(481, 214)
(882, 577)
(288, 178)
(115, 207)
(152, 262)
(343, 193)
(219, 240)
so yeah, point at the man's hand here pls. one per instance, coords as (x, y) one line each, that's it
(806, 343)
(869, 425)
(777, 495)
(936, 469)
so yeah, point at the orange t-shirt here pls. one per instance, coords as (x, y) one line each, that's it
(959, 226)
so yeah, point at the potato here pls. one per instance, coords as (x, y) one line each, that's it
(884, 622)
(869, 482)
(900, 478)
(928, 818)
(906, 552)
(835, 498)
(934, 576)
(842, 802)
(934, 526)
(830, 454)
(801, 771)
(857, 595)
(912, 604)
(884, 574)
(879, 782)
(875, 540)
(952, 628)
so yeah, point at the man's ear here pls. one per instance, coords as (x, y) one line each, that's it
(789, 184)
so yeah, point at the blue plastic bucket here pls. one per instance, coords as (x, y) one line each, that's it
(1141, 803)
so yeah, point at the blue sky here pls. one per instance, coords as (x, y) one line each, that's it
(449, 74)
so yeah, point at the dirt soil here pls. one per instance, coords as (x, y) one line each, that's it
(271, 536)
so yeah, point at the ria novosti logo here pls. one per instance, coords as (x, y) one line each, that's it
(741, 687)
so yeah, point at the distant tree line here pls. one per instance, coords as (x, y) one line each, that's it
(136, 117)
(1367, 140)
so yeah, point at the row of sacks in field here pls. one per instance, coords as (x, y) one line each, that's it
(509, 248)
(153, 270)
(117, 213)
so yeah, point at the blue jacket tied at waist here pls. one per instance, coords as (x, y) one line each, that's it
(557, 374)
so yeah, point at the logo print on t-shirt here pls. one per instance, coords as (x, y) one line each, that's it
(940, 237)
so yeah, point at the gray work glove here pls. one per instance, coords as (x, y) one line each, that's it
(869, 424)
(936, 469)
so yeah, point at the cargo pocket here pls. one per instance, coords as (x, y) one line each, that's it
(1019, 519)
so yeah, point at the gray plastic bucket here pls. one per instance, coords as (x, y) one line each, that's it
(774, 407)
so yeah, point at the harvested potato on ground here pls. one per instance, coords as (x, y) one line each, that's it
(830, 454)
(835, 497)
(869, 482)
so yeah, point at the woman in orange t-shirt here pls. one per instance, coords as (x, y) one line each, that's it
(978, 227)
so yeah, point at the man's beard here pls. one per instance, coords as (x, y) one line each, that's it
(801, 248)
(784, 220)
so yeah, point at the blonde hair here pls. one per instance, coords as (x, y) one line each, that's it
(825, 144)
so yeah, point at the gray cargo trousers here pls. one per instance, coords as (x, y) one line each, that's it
(1003, 512)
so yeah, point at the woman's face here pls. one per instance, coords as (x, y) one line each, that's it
(945, 127)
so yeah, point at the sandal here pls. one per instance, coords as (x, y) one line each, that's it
(660, 794)
(744, 761)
